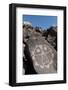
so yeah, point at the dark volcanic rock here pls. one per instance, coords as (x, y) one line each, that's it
(40, 55)
(52, 36)
(43, 55)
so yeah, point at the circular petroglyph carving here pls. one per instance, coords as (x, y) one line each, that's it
(41, 57)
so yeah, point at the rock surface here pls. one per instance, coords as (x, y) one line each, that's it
(40, 51)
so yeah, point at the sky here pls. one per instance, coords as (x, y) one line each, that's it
(41, 21)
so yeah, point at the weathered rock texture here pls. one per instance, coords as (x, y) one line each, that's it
(40, 50)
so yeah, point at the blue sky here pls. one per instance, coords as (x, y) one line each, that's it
(41, 21)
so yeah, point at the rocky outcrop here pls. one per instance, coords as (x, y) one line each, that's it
(40, 50)
(51, 36)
